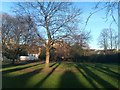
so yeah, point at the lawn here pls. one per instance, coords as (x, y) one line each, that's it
(61, 75)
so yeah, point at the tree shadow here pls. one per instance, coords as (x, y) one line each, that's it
(19, 81)
(69, 80)
(105, 72)
(7, 65)
(17, 64)
(39, 84)
(87, 78)
(53, 64)
(98, 79)
(17, 69)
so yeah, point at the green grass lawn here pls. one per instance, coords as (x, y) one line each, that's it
(61, 75)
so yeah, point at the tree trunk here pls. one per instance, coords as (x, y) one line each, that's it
(47, 44)
(13, 61)
(47, 57)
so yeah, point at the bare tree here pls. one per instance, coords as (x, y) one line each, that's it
(52, 17)
(115, 41)
(109, 7)
(103, 40)
(14, 29)
(82, 38)
(112, 38)
(108, 39)
(7, 26)
(28, 30)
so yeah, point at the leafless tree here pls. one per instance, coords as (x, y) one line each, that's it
(18, 29)
(15, 31)
(103, 40)
(53, 18)
(6, 28)
(8, 23)
(108, 39)
(28, 30)
(112, 38)
(82, 38)
(109, 7)
(115, 41)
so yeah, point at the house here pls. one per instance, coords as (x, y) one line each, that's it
(33, 53)
(108, 51)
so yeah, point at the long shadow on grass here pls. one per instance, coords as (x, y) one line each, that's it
(39, 84)
(98, 79)
(53, 64)
(105, 71)
(109, 64)
(87, 77)
(17, 69)
(17, 64)
(18, 81)
(69, 80)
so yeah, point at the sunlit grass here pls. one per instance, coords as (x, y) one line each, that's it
(66, 74)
